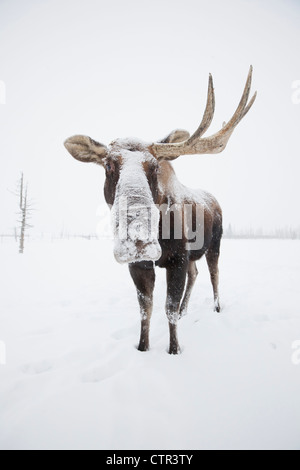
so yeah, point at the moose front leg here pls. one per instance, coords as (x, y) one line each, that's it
(176, 277)
(143, 276)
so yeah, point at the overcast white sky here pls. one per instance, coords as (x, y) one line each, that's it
(117, 68)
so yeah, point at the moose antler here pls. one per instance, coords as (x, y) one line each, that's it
(215, 143)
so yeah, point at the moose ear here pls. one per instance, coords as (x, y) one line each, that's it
(85, 149)
(179, 135)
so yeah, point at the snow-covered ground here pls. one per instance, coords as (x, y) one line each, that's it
(73, 376)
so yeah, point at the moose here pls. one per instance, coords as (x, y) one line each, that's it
(141, 175)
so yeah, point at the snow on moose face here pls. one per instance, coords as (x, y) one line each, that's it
(131, 191)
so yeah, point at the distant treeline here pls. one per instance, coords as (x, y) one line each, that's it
(51, 236)
(289, 233)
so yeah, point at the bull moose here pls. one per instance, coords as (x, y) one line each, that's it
(142, 189)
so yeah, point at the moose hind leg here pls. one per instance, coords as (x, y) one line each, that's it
(176, 277)
(192, 276)
(212, 258)
(144, 278)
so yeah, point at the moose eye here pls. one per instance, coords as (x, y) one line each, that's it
(109, 167)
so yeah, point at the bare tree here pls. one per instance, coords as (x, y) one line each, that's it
(25, 211)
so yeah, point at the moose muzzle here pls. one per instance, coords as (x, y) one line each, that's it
(135, 223)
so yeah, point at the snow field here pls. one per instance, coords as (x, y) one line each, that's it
(75, 380)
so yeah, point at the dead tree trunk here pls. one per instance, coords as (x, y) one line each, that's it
(23, 223)
(24, 212)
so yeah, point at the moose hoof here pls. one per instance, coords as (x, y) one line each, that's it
(174, 349)
(217, 307)
(143, 347)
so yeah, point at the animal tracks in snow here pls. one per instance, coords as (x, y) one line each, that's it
(109, 368)
(124, 333)
(37, 368)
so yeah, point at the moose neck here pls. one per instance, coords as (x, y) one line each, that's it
(169, 187)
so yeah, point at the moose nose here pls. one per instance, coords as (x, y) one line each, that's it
(137, 231)
(128, 251)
